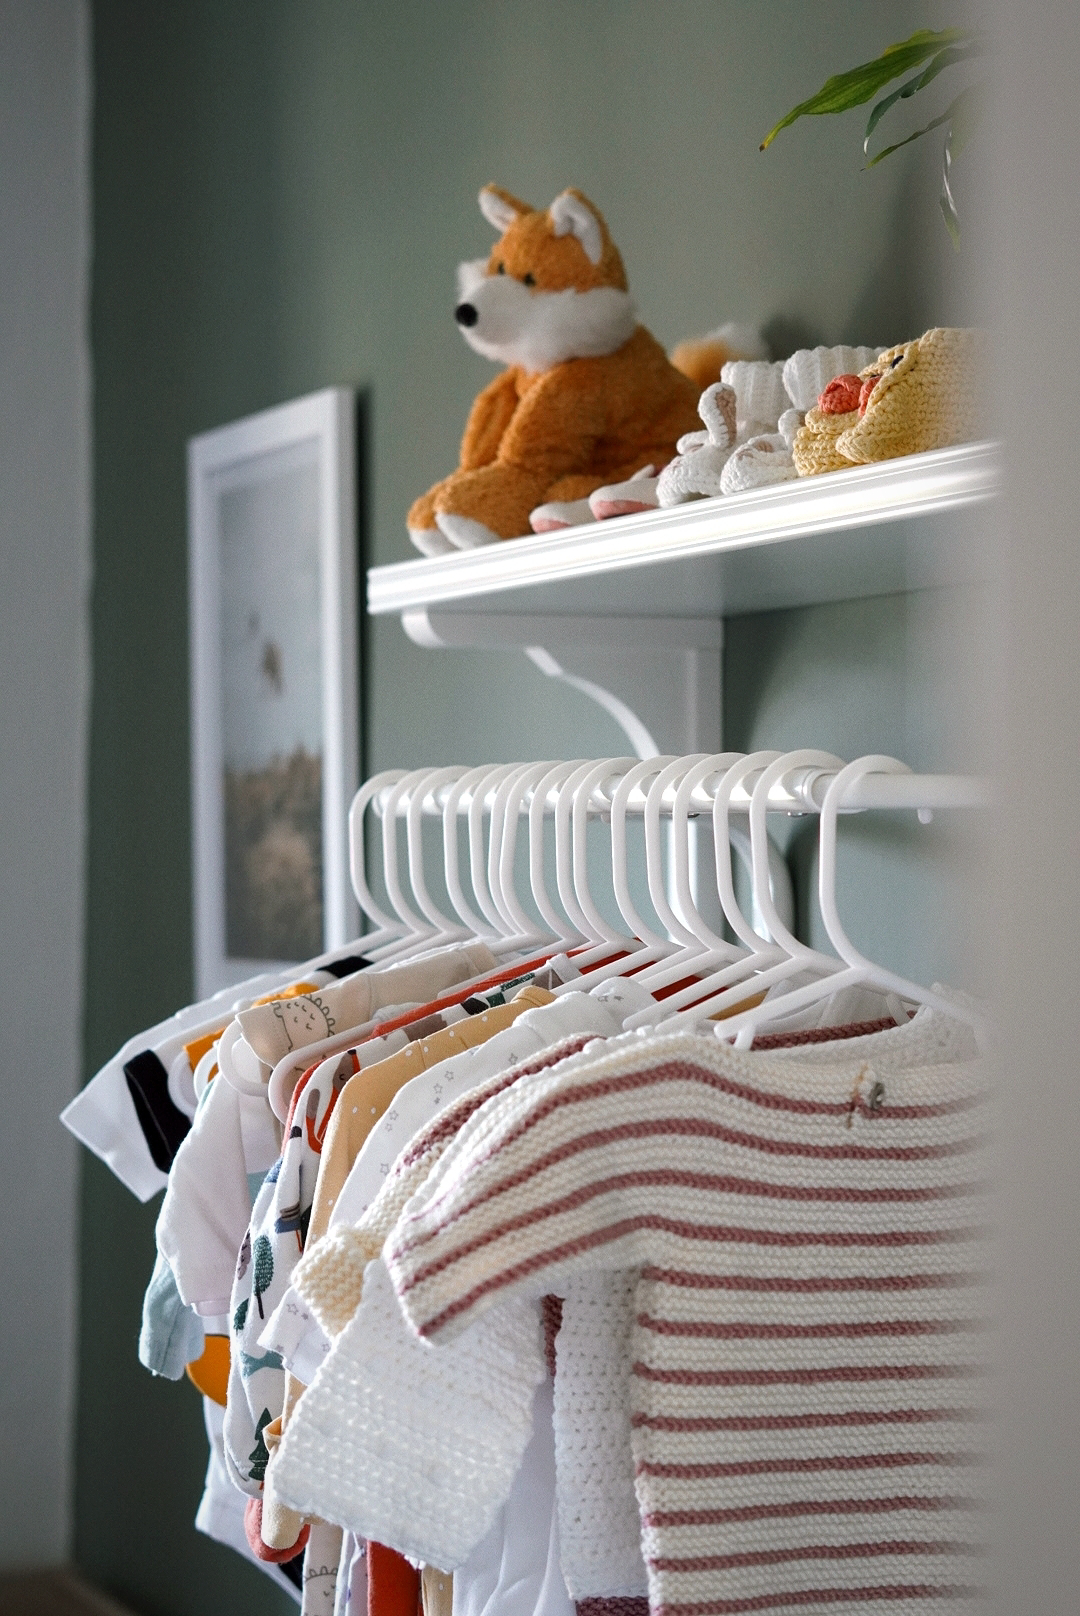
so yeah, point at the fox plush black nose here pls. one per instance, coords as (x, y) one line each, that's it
(465, 314)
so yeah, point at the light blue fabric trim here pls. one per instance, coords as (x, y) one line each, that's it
(172, 1334)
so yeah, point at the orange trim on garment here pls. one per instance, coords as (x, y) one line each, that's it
(210, 1372)
(198, 1046)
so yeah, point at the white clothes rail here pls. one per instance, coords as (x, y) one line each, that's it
(802, 791)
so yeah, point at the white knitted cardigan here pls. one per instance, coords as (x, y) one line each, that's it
(808, 1382)
(413, 1448)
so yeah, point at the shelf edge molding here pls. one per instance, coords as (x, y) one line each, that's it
(891, 490)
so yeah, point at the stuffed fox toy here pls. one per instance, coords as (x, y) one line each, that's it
(587, 398)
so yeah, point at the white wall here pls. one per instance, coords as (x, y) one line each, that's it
(44, 683)
(1037, 136)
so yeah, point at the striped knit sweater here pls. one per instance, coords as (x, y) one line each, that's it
(808, 1383)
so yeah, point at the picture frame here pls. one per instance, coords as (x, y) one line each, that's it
(275, 745)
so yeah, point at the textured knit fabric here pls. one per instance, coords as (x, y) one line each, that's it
(325, 1465)
(599, 1530)
(414, 1448)
(929, 394)
(808, 1381)
(815, 450)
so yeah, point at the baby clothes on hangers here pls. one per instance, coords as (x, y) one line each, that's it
(235, 1136)
(379, 1084)
(269, 1251)
(137, 1141)
(787, 1188)
(599, 1013)
(689, 1043)
(271, 1031)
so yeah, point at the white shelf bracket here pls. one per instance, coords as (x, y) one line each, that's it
(659, 678)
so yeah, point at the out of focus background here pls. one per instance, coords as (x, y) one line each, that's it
(207, 209)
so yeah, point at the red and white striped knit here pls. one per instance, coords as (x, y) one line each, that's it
(808, 1379)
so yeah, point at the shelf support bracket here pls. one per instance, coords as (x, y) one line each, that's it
(659, 678)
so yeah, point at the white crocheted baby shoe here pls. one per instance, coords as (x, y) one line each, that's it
(763, 459)
(760, 395)
(809, 371)
(695, 472)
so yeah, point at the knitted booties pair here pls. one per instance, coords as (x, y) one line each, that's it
(767, 400)
(920, 395)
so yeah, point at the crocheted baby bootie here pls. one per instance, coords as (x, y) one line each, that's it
(815, 448)
(764, 459)
(809, 371)
(760, 395)
(637, 493)
(558, 514)
(917, 396)
(695, 472)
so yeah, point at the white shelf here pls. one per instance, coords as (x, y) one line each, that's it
(839, 536)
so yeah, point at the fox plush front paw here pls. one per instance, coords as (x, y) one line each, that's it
(463, 533)
(429, 541)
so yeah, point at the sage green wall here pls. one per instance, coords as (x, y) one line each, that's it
(281, 193)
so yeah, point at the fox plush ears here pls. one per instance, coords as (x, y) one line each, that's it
(571, 214)
(500, 208)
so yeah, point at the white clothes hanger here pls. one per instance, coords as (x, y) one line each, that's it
(545, 794)
(417, 932)
(650, 945)
(502, 838)
(587, 787)
(447, 931)
(796, 956)
(758, 951)
(708, 948)
(860, 971)
(506, 937)
(388, 931)
(564, 854)
(451, 863)
(529, 780)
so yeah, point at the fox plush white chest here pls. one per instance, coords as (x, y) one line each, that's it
(587, 396)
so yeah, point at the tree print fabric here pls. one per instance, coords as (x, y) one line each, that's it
(268, 1254)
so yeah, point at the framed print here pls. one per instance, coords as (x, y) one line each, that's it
(274, 674)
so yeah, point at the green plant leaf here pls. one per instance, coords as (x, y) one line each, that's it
(945, 201)
(967, 113)
(961, 111)
(943, 59)
(858, 84)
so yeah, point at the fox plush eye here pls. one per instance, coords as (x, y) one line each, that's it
(529, 279)
(500, 269)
